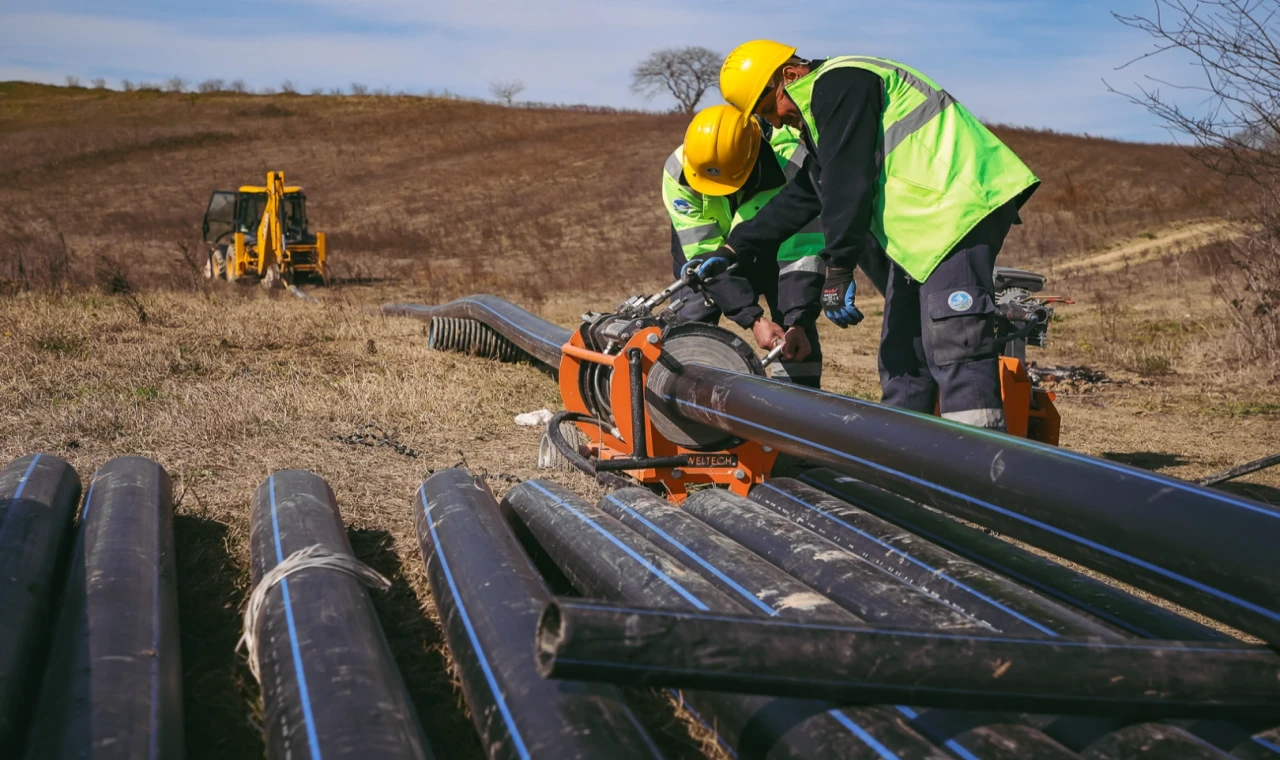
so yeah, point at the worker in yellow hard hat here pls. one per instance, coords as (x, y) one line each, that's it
(723, 174)
(893, 154)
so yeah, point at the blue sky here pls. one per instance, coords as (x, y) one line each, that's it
(1027, 62)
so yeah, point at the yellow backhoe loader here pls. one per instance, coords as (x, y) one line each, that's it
(261, 233)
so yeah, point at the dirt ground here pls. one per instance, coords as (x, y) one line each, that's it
(225, 384)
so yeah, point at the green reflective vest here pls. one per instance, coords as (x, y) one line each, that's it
(703, 221)
(943, 170)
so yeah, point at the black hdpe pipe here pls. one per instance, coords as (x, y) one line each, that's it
(974, 590)
(858, 665)
(535, 336)
(1114, 606)
(330, 686)
(113, 688)
(605, 559)
(765, 590)
(489, 598)
(38, 498)
(1206, 550)
(875, 596)
(1118, 609)
(828, 564)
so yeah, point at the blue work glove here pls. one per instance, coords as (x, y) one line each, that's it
(712, 263)
(837, 297)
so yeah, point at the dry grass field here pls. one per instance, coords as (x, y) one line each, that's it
(113, 345)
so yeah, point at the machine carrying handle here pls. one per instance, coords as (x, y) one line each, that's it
(688, 277)
(773, 355)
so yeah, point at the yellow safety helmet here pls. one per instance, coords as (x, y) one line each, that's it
(747, 71)
(720, 150)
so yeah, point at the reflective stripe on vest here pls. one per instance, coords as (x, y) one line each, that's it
(943, 171)
(691, 235)
(675, 166)
(806, 264)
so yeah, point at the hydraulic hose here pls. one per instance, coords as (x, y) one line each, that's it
(1204, 549)
(113, 688)
(489, 598)
(38, 498)
(857, 665)
(330, 686)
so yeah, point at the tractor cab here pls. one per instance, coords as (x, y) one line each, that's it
(232, 211)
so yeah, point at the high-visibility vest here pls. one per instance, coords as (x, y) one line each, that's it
(703, 221)
(943, 170)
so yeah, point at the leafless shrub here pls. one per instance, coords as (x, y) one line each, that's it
(507, 90)
(238, 85)
(685, 73)
(99, 83)
(1235, 126)
(359, 89)
(288, 87)
(73, 81)
(211, 85)
(317, 90)
(267, 91)
(336, 91)
(175, 84)
(126, 85)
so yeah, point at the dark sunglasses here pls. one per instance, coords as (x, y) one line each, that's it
(763, 94)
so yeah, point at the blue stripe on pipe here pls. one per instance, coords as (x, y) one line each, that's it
(768, 610)
(862, 734)
(956, 747)
(1006, 439)
(1269, 745)
(1224, 596)
(22, 484)
(933, 570)
(308, 718)
(471, 633)
(1135, 645)
(155, 647)
(646, 564)
(88, 499)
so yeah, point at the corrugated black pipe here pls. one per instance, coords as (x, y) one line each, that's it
(113, 688)
(535, 336)
(38, 498)
(489, 598)
(605, 559)
(329, 681)
(1204, 549)
(858, 665)
(768, 591)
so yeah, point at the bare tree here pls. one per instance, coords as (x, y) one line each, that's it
(99, 83)
(127, 85)
(238, 86)
(211, 85)
(175, 84)
(288, 87)
(507, 90)
(73, 81)
(1234, 122)
(317, 90)
(359, 89)
(685, 73)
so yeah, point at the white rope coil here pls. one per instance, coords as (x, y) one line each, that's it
(303, 559)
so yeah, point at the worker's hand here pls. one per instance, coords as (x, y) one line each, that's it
(837, 298)
(712, 263)
(768, 334)
(796, 348)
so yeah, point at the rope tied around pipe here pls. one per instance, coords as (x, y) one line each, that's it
(315, 556)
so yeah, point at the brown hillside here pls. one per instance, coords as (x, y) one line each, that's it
(451, 195)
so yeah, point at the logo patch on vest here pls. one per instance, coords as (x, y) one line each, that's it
(682, 206)
(960, 301)
(712, 171)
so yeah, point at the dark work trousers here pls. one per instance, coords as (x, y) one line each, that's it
(937, 346)
(763, 276)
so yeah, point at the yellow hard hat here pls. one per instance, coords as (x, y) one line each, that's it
(747, 71)
(720, 149)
